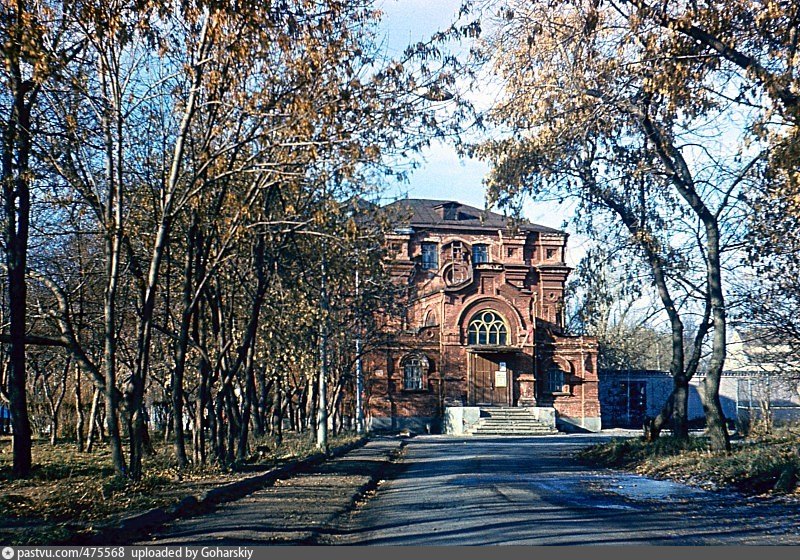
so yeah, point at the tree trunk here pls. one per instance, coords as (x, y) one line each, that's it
(198, 433)
(16, 151)
(156, 257)
(277, 414)
(169, 425)
(683, 181)
(147, 442)
(92, 421)
(716, 427)
(248, 403)
(136, 409)
(182, 348)
(79, 416)
(54, 430)
(113, 249)
(261, 416)
(233, 428)
(56, 403)
(680, 418)
(221, 424)
(203, 402)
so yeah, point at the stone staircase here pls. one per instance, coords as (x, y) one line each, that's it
(509, 421)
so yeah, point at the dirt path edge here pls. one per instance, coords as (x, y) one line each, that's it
(138, 526)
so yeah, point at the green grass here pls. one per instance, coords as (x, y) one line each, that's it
(769, 464)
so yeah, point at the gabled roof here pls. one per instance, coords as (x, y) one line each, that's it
(452, 214)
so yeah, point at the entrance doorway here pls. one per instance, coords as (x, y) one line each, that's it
(490, 380)
(627, 404)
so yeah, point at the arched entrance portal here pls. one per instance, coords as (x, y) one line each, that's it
(490, 360)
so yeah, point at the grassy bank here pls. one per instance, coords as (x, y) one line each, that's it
(769, 464)
(71, 493)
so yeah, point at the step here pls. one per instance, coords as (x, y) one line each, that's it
(506, 431)
(486, 414)
(506, 434)
(521, 425)
(511, 432)
(509, 421)
(514, 425)
(510, 429)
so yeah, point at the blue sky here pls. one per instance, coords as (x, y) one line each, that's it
(442, 174)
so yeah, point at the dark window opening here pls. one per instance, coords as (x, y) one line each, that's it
(480, 253)
(555, 380)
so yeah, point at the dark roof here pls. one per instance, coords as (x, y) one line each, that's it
(426, 213)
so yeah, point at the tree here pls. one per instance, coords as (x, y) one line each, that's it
(758, 38)
(757, 42)
(34, 47)
(259, 93)
(608, 300)
(201, 160)
(598, 113)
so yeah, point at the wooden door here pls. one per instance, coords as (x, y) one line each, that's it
(490, 379)
(637, 403)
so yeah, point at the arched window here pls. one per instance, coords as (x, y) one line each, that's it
(430, 319)
(415, 368)
(487, 328)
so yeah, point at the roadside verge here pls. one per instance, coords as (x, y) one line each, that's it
(138, 526)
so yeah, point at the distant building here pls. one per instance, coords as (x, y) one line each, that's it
(760, 378)
(483, 328)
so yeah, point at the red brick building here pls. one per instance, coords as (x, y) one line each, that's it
(483, 326)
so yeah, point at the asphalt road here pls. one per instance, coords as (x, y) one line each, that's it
(530, 491)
